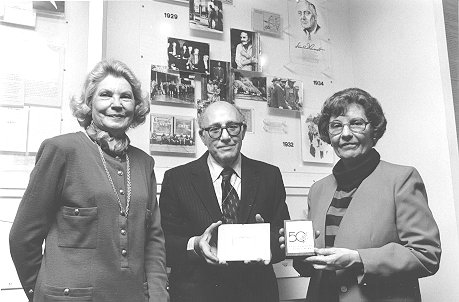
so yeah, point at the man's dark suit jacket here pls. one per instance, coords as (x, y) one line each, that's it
(189, 205)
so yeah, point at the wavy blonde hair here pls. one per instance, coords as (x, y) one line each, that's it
(82, 106)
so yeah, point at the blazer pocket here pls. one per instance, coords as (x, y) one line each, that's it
(77, 227)
(55, 294)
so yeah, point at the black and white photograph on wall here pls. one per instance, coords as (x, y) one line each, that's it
(249, 86)
(245, 50)
(266, 22)
(186, 55)
(206, 15)
(313, 149)
(309, 39)
(168, 86)
(248, 115)
(52, 8)
(172, 134)
(285, 93)
(219, 79)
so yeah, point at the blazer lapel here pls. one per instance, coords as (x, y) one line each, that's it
(202, 182)
(350, 233)
(249, 186)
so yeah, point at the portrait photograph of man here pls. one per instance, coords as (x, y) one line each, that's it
(309, 41)
(244, 50)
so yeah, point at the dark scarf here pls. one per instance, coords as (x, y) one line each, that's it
(353, 177)
(116, 146)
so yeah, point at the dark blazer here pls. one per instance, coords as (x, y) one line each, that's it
(391, 226)
(189, 205)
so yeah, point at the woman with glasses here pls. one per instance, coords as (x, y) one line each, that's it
(375, 234)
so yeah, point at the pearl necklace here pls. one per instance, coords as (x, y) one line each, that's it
(128, 198)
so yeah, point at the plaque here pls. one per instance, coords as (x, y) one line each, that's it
(244, 242)
(299, 238)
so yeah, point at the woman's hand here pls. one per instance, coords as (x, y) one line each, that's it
(334, 259)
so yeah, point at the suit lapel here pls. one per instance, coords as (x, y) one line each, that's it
(202, 182)
(250, 183)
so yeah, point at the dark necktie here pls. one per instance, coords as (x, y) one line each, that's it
(230, 200)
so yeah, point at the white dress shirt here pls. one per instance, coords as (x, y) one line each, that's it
(215, 171)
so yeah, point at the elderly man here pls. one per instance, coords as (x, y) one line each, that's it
(308, 17)
(221, 186)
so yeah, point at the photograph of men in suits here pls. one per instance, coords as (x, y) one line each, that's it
(195, 200)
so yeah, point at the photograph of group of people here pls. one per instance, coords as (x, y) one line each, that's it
(171, 86)
(185, 55)
(206, 15)
(313, 148)
(172, 134)
(285, 93)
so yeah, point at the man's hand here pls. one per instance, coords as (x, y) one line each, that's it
(205, 246)
(334, 259)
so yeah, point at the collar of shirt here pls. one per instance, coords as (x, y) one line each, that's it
(215, 169)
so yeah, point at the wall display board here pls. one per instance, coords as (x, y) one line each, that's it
(245, 50)
(266, 22)
(313, 149)
(206, 15)
(309, 40)
(273, 135)
(285, 93)
(172, 134)
(172, 86)
(186, 55)
(249, 85)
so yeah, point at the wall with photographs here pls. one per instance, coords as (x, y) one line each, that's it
(275, 134)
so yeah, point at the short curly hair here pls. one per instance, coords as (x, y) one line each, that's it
(82, 106)
(338, 104)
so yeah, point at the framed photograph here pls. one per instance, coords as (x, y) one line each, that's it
(249, 86)
(313, 149)
(285, 93)
(172, 86)
(172, 134)
(245, 50)
(249, 117)
(309, 40)
(183, 2)
(266, 22)
(206, 15)
(186, 55)
(220, 79)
